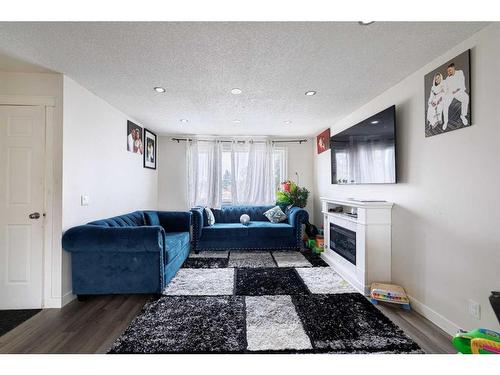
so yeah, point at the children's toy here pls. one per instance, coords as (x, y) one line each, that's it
(313, 245)
(477, 341)
(313, 239)
(389, 293)
(311, 230)
(483, 346)
(320, 241)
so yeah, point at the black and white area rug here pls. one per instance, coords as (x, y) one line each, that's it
(261, 302)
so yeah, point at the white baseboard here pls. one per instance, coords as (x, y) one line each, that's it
(424, 310)
(58, 302)
(446, 325)
(67, 298)
(52, 303)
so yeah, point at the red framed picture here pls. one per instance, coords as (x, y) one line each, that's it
(323, 141)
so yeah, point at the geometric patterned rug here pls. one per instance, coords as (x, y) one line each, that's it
(261, 302)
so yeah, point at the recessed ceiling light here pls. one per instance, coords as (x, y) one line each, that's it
(310, 93)
(375, 122)
(236, 121)
(365, 23)
(288, 122)
(183, 120)
(236, 91)
(160, 89)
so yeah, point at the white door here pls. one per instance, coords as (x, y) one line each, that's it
(22, 148)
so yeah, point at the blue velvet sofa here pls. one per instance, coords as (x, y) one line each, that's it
(139, 252)
(259, 234)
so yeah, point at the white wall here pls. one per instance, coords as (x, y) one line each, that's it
(300, 161)
(172, 175)
(172, 172)
(96, 163)
(446, 221)
(44, 84)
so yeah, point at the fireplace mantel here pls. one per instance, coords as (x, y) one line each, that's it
(371, 221)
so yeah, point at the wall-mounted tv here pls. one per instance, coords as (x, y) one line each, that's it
(366, 152)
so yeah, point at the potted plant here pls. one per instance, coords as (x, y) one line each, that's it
(292, 195)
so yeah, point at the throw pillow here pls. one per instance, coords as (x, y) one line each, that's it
(210, 216)
(275, 215)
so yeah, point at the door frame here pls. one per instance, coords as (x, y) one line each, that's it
(48, 103)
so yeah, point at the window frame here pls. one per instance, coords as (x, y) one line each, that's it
(227, 150)
(283, 150)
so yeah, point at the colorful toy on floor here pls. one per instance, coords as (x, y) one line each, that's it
(313, 245)
(313, 238)
(477, 341)
(389, 293)
(320, 241)
(483, 346)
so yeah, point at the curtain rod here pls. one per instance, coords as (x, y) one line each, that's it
(299, 141)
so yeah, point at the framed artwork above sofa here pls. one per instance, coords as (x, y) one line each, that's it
(149, 149)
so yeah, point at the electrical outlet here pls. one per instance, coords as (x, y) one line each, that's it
(474, 309)
(85, 200)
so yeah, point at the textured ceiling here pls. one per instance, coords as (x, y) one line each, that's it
(273, 63)
(12, 64)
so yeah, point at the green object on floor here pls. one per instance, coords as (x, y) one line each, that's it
(462, 340)
(311, 244)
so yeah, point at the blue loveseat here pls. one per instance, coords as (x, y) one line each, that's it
(139, 252)
(259, 234)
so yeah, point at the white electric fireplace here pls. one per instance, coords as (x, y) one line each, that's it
(358, 240)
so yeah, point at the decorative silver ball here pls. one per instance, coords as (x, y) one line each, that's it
(244, 219)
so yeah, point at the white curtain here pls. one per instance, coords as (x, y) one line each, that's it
(204, 173)
(252, 173)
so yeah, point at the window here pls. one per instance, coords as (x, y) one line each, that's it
(226, 177)
(279, 166)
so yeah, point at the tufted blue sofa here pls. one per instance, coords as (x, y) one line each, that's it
(260, 234)
(139, 252)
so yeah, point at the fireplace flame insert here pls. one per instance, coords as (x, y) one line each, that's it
(343, 242)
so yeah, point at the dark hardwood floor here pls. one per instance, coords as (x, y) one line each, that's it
(431, 338)
(92, 327)
(79, 327)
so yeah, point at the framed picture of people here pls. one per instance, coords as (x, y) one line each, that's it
(448, 96)
(150, 149)
(134, 138)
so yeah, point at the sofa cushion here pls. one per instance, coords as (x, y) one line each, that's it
(210, 216)
(151, 218)
(275, 215)
(176, 243)
(267, 229)
(133, 219)
(232, 214)
(225, 230)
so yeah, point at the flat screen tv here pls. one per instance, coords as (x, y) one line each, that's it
(366, 152)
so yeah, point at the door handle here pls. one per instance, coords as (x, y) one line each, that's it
(34, 215)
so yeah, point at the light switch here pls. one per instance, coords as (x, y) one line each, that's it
(474, 309)
(85, 200)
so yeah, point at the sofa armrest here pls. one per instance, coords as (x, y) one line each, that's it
(93, 238)
(175, 221)
(297, 216)
(197, 221)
